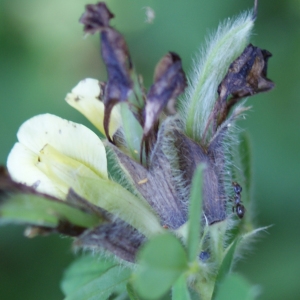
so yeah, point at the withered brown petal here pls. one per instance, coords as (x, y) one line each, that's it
(169, 83)
(115, 55)
(95, 17)
(247, 74)
(117, 60)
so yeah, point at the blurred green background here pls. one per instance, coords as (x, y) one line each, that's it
(43, 55)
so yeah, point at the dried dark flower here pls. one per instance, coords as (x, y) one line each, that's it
(117, 60)
(95, 17)
(169, 83)
(246, 76)
(115, 55)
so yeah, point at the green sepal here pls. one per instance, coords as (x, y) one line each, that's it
(245, 163)
(195, 214)
(137, 97)
(132, 119)
(133, 131)
(243, 176)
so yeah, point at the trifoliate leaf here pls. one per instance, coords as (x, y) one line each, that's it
(180, 290)
(111, 282)
(161, 262)
(83, 271)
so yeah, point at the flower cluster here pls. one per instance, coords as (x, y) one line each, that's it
(58, 169)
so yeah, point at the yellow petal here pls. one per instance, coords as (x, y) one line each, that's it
(86, 98)
(63, 171)
(66, 172)
(89, 88)
(71, 139)
(21, 165)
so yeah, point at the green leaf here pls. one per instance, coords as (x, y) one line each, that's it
(161, 261)
(180, 290)
(235, 287)
(84, 270)
(226, 265)
(131, 292)
(37, 210)
(111, 282)
(195, 214)
(228, 259)
(122, 296)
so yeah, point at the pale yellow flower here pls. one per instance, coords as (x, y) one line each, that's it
(54, 155)
(86, 98)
